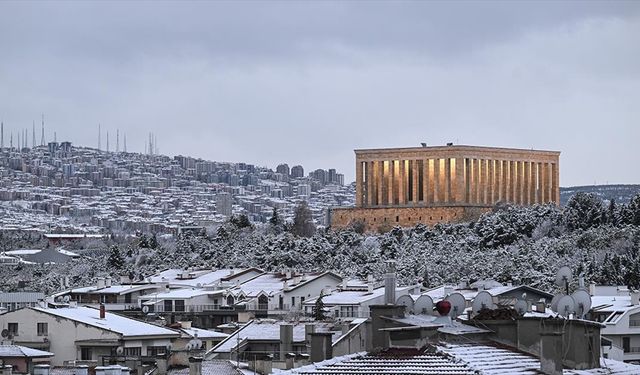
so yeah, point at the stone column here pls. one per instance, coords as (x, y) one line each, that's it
(491, 198)
(447, 180)
(519, 176)
(390, 179)
(415, 172)
(436, 181)
(555, 185)
(504, 196)
(526, 189)
(402, 193)
(380, 182)
(426, 182)
(459, 181)
(369, 168)
(359, 190)
(467, 180)
(484, 184)
(544, 176)
(476, 181)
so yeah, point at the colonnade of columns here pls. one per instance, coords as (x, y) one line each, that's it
(455, 181)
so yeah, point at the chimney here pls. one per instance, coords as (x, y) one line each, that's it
(321, 346)
(390, 283)
(541, 306)
(82, 370)
(41, 369)
(308, 330)
(635, 297)
(186, 324)
(108, 282)
(286, 339)
(370, 287)
(288, 274)
(195, 365)
(103, 312)
(7, 370)
(101, 283)
(161, 366)
(592, 289)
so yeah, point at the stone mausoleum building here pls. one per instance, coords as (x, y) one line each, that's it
(406, 186)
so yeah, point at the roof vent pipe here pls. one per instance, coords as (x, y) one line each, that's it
(103, 312)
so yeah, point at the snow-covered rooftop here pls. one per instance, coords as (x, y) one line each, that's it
(203, 334)
(112, 322)
(12, 351)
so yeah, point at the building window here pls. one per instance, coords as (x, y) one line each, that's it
(293, 301)
(127, 298)
(153, 351)
(397, 218)
(179, 305)
(168, 305)
(626, 344)
(133, 352)
(43, 329)
(86, 354)
(13, 329)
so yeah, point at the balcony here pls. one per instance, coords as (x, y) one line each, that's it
(160, 308)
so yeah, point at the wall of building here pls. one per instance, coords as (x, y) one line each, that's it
(311, 289)
(385, 218)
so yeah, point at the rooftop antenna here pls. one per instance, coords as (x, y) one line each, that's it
(11, 141)
(117, 140)
(1, 135)
(99, 137)
(125, 142)
(33, 135)
(42, 135)
(107, 141)
(483, 300)
(19, 144)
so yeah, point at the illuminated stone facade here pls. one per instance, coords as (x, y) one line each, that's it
(405, 186)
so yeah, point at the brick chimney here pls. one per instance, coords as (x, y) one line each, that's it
(103, 311)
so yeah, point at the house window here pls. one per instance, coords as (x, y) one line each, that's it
(397, 218)
(293, 301)
(133, 352)
(168, 305)
(127, 298)
(626, 344)
(230, 300)
(86, 354)
(13, 328)
(43, 329)
(301, 300)
(179, 305)
(153, 351)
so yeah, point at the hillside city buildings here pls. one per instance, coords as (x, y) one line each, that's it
(452, 183)
(151, 193)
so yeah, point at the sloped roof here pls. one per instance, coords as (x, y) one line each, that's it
(209, 367)
(112, 322)
(13, 351)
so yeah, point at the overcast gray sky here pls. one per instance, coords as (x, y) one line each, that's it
(308, 82)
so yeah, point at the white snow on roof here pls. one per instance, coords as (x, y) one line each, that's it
(8, 351)
(353, 297)
(185, 293)
(612, 303)
(490, 360)
(114, 289)
(202, 277)
(203, 334)
(22, 252)
(112, 322)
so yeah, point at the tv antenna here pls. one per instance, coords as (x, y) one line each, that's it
(563, 278)
(566, 306)
(458, 304)
(483, 300)
(582, 300)
(424, 305)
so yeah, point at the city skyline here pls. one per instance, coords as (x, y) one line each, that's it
(310, 82)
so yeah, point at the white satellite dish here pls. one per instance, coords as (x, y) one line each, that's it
(583, 302)
(66, 299)
(423, 305)
(521, 307)
(119, 350)
(458, 304)
(189, 346)
(145, 309)
(554, 302)
(483, 300)
(566, 306)
(563, 277)
(198, 285)
(407, 302)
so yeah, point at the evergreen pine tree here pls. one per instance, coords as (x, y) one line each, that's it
(318, 309)
(115, 258)
(303, 224)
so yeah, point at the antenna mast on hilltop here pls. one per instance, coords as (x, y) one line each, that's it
(125, 142)
(33, 135)
(99, 138)
(117, 140)
(1, 135)
(107, 141)
(42, 136)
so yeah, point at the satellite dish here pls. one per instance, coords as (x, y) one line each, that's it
(554, 302)
(583, 302)
(563, 276)
(119, 350)
(407, 302)
(458, 304)
(198, 285)
(169, 346)
(194, 344)
(5, 333)
(423, 305)
(145, 309)
(189, 346)
(483, 300)
(521, 307)
(66, 299)
(566, 306)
